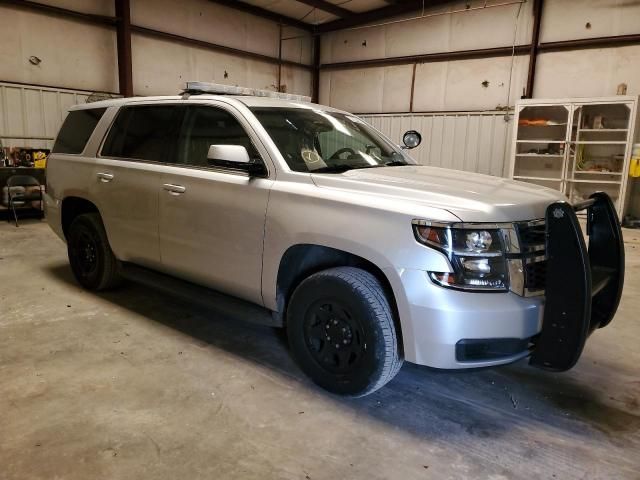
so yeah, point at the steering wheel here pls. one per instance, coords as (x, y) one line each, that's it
(337, 153)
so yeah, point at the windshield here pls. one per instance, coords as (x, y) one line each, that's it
(327, 142)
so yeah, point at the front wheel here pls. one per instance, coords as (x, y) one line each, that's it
(341, 331)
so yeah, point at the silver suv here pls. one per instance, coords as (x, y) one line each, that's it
(305, 217)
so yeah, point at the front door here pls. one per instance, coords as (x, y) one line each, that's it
(211, 217)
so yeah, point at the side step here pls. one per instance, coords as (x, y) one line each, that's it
(201, 296)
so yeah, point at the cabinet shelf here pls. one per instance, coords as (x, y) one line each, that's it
(541, 140)
(603, 130)
(543, 126)
(561, 155)
(599, 182)
(546, 179)
(598, 142)
(597, 172)
(540, 155)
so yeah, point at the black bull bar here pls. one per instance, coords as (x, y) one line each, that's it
(583, 285)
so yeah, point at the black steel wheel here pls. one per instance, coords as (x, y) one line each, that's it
(92, 261)
(333, 335)
(341, 331)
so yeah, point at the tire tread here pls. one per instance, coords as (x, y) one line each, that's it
(369, 287)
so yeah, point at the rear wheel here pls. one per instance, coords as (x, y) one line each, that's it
(341, 331)
(92, 261)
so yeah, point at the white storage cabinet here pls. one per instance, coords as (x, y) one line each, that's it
(576, 145)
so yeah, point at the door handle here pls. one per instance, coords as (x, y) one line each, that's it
(174, 189)
(105, 177)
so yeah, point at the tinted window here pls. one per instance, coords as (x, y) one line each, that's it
(206, 126)
(143, 133)
(76, 130)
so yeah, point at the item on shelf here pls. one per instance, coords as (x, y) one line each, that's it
(634, 166)
(25, 157)
(537, 122)
(598, 122)
(580, 160)
(40, 159)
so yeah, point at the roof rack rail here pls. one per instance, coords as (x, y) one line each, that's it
(204, 88)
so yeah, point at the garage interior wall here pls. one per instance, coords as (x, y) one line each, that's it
(77, 54)
(46, 59)
(31, 116)
(459, 105)
(487, 83)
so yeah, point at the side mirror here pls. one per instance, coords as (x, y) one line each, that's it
(411, 139)
(234, 156)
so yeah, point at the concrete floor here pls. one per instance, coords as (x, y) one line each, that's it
(132, 384)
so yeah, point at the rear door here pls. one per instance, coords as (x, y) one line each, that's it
(128, 178)
(212, 217)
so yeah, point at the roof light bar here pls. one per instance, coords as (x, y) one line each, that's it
(199, 88)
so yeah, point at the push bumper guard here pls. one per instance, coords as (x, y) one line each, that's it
(583, 286)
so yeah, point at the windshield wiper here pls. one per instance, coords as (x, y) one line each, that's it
(333, 169)
(345, 168)
(395, 163)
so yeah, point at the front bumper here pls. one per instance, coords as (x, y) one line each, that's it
(436, 320)
(450, 329)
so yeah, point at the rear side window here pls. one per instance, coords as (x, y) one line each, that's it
(76, 130)
(143, 133)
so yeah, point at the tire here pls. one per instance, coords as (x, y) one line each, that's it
(347, 306)
(92, 261)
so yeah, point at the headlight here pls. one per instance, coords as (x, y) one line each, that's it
(476, 256)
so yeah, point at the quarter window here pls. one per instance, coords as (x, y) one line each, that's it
(76, 130)
(145, 132)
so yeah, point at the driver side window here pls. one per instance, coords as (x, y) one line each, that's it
(204, 126)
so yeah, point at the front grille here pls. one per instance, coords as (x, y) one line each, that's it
(532, 238)
(470, 350)
(535, 276)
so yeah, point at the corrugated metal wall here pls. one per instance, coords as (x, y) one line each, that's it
(470, 141)
(31, 116)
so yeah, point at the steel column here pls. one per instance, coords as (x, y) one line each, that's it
(533, 53)
(123, 36)
(315, 95)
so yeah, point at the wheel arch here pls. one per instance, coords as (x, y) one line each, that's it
(73, 206)
(302, 260)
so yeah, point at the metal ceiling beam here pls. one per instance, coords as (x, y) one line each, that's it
(587, 43)
(394, 9)
(263, 13)
(430, 58)
(328, 7)
(61, 12)
(137, 29)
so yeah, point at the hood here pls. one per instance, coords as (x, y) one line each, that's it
(472, 197)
